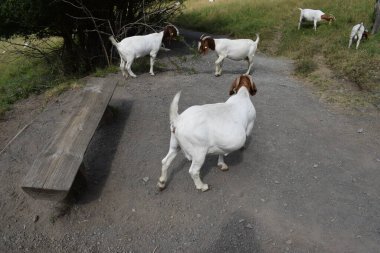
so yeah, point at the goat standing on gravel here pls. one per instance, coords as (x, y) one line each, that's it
(210, 129)
(357, 33)
(141, 45)
(314, 16)
(239, 49)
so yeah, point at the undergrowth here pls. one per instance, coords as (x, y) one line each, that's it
(21, 75)
(277, 20)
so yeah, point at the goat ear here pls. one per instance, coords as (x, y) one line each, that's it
(211, 43)
(252, 89)
(234, 86)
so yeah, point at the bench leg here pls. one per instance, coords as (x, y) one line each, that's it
(63, 207)
(108, 116)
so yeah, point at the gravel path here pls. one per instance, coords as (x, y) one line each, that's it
(308, 180)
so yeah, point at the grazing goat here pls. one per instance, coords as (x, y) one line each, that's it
(210, 129)
(357, 33)
(239, 49)
(314, 16)
(138, 46)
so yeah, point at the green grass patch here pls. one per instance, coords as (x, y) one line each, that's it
(277, 21)
(21, 75)
(305, 66)
(102, 72)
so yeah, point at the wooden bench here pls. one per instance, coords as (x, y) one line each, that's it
(55, 168)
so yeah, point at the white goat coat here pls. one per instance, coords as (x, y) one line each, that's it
(140, 45)
(215, 128)
(237, 50)
(356, 34)
(311, 15)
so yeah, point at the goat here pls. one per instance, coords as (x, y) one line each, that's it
(238, 49)
(210, 129)
(314, 16)
(357, 33)
(141, 45)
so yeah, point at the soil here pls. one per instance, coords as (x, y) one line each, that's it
(307, 180)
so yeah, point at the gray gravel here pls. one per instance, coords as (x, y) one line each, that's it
(307, 181)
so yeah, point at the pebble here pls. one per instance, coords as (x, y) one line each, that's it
(289, 242)
(276, 182)
(241, 220)
(146, 179)
(36, 218)
(198, 215)
(262, 200)
(249, 225)
(315, 165)
(360, 130)
(378, 159)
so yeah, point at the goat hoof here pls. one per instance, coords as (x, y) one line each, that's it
(203, 188)
(223, 167)
(217, 75)
(152, 74)
(161, 185)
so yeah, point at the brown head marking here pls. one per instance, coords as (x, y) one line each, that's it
(170, 32)
(365, 35)
(243, 81)
(206, 43)
(328, 17)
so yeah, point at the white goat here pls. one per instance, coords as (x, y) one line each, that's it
(357, 33)
(239, 49)
(138, 46)
(210, 129)
(314, 16)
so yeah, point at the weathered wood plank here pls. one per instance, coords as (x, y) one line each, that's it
(55, 168)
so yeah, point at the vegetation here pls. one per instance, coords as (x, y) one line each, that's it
(276, 21)
(84, 25)
(66, 39)
(21, 75)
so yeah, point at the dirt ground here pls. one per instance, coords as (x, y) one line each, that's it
(307, 181)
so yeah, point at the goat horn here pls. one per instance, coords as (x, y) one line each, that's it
(202, 36)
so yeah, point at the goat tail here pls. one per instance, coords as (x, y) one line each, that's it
(113, 41)
(257, 38)
(173, 114)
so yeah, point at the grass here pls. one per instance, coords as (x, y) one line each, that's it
(21, 76)
(276, 21)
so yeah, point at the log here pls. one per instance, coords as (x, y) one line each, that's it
(55, 168)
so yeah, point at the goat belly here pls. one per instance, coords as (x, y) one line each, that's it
(238, 54)
(228, 143)
(216, 151)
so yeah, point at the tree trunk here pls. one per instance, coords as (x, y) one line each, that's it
(376, 24)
